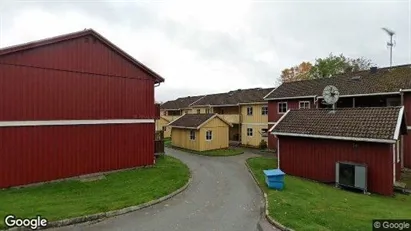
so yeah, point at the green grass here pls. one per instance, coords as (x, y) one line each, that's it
(307, 205)
(66, 199)
(217, 152)
(167, 142)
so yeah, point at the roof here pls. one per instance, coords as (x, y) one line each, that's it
(385, 80)
(195, 121)
(77, 34)
(240, 96)
(374, 124)
(179, 103)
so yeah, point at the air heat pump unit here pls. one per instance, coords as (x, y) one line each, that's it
(351, 175)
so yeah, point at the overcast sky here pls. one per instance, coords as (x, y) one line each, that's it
(211, 46)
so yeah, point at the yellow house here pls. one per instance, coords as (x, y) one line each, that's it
(254, 126)
(200, 132)
(161, 124)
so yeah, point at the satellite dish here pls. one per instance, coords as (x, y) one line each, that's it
(331, 94)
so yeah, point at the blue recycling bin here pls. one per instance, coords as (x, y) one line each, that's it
(274, 178)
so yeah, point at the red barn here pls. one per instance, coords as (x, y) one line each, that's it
(377, 87)
(72, 105)
(312, 141)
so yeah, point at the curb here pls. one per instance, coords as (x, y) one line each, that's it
(194, 153)
(265, 212)
(113, 213)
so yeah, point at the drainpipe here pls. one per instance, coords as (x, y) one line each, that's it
(158, 84)
(402, 137)
(316, 101)
(240, 124)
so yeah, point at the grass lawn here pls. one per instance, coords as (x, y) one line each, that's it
(307, 205)
(217, 152)
(56, 201)
(167, 142)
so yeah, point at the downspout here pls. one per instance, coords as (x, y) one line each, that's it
(316, 101)
(402, 137)
(156, 85)
(240, 125)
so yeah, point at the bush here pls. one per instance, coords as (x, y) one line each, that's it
(263, 144)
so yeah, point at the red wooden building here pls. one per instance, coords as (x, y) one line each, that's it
(312, 141)
(377, 87)
(72, 105)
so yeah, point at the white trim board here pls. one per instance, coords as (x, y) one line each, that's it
(72, 122)
(272, 123)
(335, 137)
(409, 127)
(398, 126)
(262, 124)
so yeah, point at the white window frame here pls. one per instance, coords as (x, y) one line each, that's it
(278, 107)
(391, 100)
(164, 128)
(198, 111)
(192, 135)
(248, 132)
(249, 109)
(211, 135)
(207, 110)
(266, 110)
(304, 103)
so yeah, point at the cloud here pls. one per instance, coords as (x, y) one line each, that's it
(211, 46)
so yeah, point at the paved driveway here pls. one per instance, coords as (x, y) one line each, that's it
(222, 196)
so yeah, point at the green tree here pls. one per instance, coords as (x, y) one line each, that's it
(332, 65)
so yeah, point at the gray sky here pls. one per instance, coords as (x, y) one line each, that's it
(211, 46)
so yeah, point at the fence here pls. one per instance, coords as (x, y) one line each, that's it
(159, 142)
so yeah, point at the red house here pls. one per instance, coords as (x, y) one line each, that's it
(390, 86)
(72, 105)
(312, 141)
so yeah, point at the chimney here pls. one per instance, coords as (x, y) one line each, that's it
(373, 70)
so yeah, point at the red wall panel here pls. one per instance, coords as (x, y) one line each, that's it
(315, 159)
(407, 104)
(407, 150)
(272, 142)
(274, 116)
(77, 55)
(44, 153)
(41, 94)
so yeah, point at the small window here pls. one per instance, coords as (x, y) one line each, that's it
(249, 132)
(304, 105)
(282, 107)
(209, 135)
(222, 111)
(164, 113)
(264, 110)
(207, 110)
(264, 132)
(192, 135)
(164, 128)
(198, 111)
(393, 102)
(249, 110)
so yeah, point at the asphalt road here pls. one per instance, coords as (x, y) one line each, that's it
(221, 197)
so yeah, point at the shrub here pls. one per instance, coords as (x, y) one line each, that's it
(263, 144)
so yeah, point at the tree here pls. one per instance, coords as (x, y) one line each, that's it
(296, 73)
(332, 65)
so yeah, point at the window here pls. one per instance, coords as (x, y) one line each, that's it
(249, 132)
(198, 111)
(164, 128)
(304, 104)
(264, 132)
(264, 110)
(164, 113)
(192, 135)
(282, 107)
(207, 110)
(209, 135)
(249, 110)
(222, 111)
(392, 102)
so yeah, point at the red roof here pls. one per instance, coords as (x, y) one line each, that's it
(64, 37)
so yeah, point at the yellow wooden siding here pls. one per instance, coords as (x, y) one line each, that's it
(181, 138)
(160, 123)
(254, 140)
(219, 135)
(256, 117)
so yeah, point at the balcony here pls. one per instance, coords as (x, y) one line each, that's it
(232, 118)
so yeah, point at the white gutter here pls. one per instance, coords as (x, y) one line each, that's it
(296, 97)
(335, 137)
(370, 94)
(282, 117)
(398, 126)
(183, 127)
(405, 90)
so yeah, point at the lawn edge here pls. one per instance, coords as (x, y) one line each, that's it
(198, 154)
(113, 213)
(266, 213)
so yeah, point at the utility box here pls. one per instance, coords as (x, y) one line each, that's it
(274, 178)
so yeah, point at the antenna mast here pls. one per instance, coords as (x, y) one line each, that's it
(390, 43)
